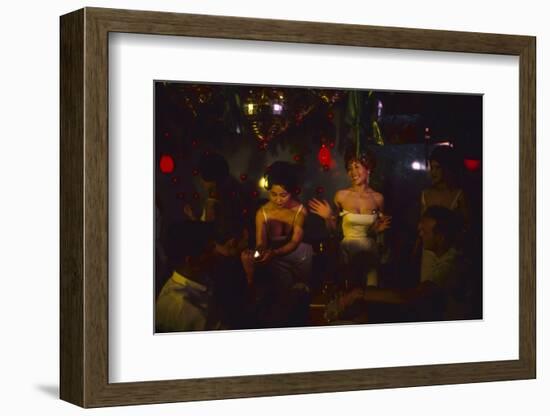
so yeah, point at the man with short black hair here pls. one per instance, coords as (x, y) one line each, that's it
(436, 296)
(184, 302)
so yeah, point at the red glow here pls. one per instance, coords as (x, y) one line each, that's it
(244, 177)
(297, 158)
(195, 143)
(255, 194)
(472, 164)
(320, 190)
(330, 115)
(195, 172)
(298, 191)
(324, 156)
(166, 164)
(167, 135)
(175, 179)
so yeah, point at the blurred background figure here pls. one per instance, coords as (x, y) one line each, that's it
(184, 303)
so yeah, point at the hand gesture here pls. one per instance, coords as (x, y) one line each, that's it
(188, 212)
(349, 298)
(382, 223)
(265, 256)
(321, 208)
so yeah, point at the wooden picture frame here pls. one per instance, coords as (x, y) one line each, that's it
(84, 207)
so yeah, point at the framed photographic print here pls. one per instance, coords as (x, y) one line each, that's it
(255, 207)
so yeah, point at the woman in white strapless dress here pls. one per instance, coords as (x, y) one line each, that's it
(359, 247)
(360, 208)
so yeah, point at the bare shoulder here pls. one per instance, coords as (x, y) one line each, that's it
(341, 195)
(378, 199)
(300, 216)
(260, 211)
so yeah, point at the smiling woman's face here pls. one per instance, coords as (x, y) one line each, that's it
(279, 195)
(357, 173)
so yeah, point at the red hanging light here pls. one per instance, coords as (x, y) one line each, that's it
(166, 164)
(324, 156)
(472, 164)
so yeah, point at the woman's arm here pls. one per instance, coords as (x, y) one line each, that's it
(261, 235)
(384, 221)
(324, 210)
(423, 204)
(297, 236)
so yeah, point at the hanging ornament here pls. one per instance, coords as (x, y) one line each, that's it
(195, 96)
(324, 156)
(267, 113)
(328, 96)
(301, 105)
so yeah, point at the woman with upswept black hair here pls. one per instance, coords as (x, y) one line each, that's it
(281, 259)
(279, 224)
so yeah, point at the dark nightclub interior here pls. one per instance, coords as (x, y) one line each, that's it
(281, 206)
